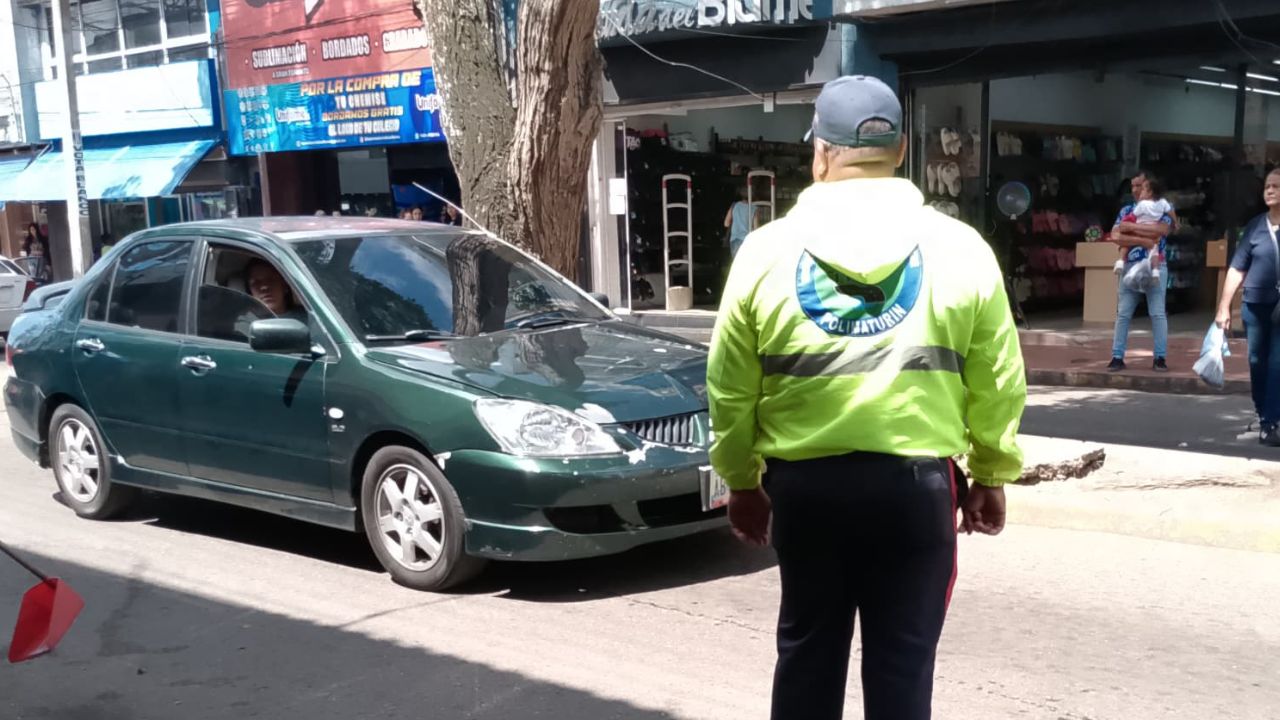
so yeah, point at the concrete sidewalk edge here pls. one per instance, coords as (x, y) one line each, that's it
(1170, 384)
(1027, 509)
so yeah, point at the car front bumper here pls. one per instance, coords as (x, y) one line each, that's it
(539, 510)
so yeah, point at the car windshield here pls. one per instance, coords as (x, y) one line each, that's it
(411, 288)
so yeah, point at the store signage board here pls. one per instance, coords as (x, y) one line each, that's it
(642, 17)
(163, 97)
(377, 109)
(293, 41)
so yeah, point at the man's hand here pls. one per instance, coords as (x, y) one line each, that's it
(749, 512)
(983, 511)
(1223, 319)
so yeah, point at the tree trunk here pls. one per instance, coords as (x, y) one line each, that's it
(521, 162)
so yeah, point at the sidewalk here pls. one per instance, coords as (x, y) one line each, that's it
(1079, 358)
(1063, 352)
(1168, 495)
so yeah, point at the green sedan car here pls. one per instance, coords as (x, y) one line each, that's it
(435, 388)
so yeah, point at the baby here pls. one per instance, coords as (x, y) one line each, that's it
(1148, 211)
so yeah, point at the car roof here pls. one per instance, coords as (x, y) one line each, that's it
(290, 229)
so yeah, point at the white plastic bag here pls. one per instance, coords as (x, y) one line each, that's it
(1209, 367)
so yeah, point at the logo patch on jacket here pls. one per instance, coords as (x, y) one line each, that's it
(841, 305)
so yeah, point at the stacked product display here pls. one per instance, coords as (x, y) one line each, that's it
(951, 172)
(1073, 174)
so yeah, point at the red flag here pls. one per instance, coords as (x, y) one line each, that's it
(47, 613)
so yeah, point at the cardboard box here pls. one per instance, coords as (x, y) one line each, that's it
(1216, 254)
(1101, 286)
(1097, 254)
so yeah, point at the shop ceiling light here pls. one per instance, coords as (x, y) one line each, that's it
(1211, 68)
(1268, 78)
(1229, 86)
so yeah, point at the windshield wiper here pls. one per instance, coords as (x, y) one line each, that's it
(548, 320)
(412, 336)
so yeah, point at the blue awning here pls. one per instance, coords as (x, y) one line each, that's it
(10, 169)
(111, 173)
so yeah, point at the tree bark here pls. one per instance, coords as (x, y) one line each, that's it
(521, 161)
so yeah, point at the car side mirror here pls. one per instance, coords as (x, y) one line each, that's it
(601, 298)
(281, 336)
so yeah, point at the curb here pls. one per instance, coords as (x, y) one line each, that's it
(1025, 509)
(1168, 384)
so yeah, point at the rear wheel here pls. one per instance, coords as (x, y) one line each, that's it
(82, 467)
(414, 521)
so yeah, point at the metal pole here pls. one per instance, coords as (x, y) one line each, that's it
(77, 196)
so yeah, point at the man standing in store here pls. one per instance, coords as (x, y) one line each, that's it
(863, 341)
(1141, 240)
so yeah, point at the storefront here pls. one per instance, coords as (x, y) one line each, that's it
(149, 116)
(337, 104)
(136, 156)
(1070, 101)
(680, 147)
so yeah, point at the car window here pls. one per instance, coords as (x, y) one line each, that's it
(7, 266)
(147, 291)
(227, 302)
(96, 306)
(387, 286)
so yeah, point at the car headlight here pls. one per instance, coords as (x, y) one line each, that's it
(535, 430)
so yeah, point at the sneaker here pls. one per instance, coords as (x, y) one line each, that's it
(1271, 437)
(1117, 364)
(1160, 365)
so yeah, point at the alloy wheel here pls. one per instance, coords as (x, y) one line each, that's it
(410, 518)
(78, 461)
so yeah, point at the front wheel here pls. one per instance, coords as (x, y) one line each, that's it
(82, 467)
(414, 521)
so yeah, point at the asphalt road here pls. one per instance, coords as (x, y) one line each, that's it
(199, 611)
(1215, 424)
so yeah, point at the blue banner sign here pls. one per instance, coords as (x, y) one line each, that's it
(379, 109)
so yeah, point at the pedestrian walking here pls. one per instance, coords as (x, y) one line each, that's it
(1256, 267)
(1144, 242)
(863, 341)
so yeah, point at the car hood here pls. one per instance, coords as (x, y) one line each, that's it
(609, 372)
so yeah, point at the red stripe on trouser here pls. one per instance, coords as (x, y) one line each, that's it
(955, 553)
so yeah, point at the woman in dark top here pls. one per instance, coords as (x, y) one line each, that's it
(1255, 266)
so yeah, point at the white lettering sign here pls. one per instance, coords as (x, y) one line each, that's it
(639, 17)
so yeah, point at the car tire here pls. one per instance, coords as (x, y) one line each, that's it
(82, 466)
(409, 510)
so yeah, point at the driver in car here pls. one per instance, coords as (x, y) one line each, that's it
(269, 288)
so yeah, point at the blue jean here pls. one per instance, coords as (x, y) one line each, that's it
(1125, 308)
(1264, 360)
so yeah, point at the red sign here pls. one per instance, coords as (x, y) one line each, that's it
(287, 41)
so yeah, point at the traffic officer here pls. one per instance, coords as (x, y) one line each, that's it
(863, 341)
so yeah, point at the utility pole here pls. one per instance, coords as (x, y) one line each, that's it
(79, 239)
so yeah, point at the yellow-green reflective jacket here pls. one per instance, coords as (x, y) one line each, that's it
(865, 321)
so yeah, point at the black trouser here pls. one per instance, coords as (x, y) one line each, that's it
(862, 533)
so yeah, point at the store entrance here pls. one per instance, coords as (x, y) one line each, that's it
(698, 180)
(1075, 140)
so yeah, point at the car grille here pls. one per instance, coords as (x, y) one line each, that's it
(672, 430)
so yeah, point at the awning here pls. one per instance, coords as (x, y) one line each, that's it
(10, 169)
(111, 173)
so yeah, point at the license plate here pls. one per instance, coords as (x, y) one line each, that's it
(715, 494)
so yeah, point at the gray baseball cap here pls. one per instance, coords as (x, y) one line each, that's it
(848, 102)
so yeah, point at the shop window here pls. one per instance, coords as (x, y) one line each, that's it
(101, 25)
(124, 218)
(141, 22)
(184, 18)
(147, 292)
(110, 64)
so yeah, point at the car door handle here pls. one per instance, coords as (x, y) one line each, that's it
(199, 363)
(91, 345)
